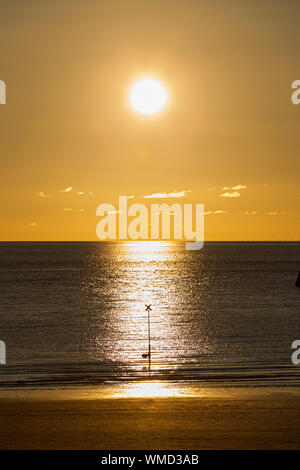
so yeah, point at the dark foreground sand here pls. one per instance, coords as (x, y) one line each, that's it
(271, 422)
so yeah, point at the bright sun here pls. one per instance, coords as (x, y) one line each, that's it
(148, 96)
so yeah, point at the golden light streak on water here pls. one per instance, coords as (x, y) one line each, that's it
(151, 389)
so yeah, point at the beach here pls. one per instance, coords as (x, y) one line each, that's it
(225, 421)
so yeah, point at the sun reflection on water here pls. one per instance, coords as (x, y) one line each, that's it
(151, 389)
(123, 278)
(147, 250)
(142, 277)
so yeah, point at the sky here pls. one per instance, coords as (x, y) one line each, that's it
(228, 137)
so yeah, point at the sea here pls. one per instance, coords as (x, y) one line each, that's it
(72, 314)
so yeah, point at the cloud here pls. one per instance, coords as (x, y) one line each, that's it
(80, 193)
(276, 213)
(238, 187)
(67, 190)
(42, 194)
(212, 188)
(234, 194)
(217, 212)
(233, 191)
(70, 209)
(174, 194)
(32, 224)
(249, 213)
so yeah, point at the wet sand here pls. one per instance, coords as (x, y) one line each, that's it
(222, 422)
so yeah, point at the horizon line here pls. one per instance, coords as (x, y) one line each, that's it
(150, 241)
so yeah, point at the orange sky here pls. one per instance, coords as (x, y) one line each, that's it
(228, 67)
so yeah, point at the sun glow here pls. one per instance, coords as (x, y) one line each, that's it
(148, 96)
(150, 389)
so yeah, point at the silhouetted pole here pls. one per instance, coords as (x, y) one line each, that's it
(148, 310)
(149, 338)
(298, 280)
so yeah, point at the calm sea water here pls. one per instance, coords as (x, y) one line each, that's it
(73, 314)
